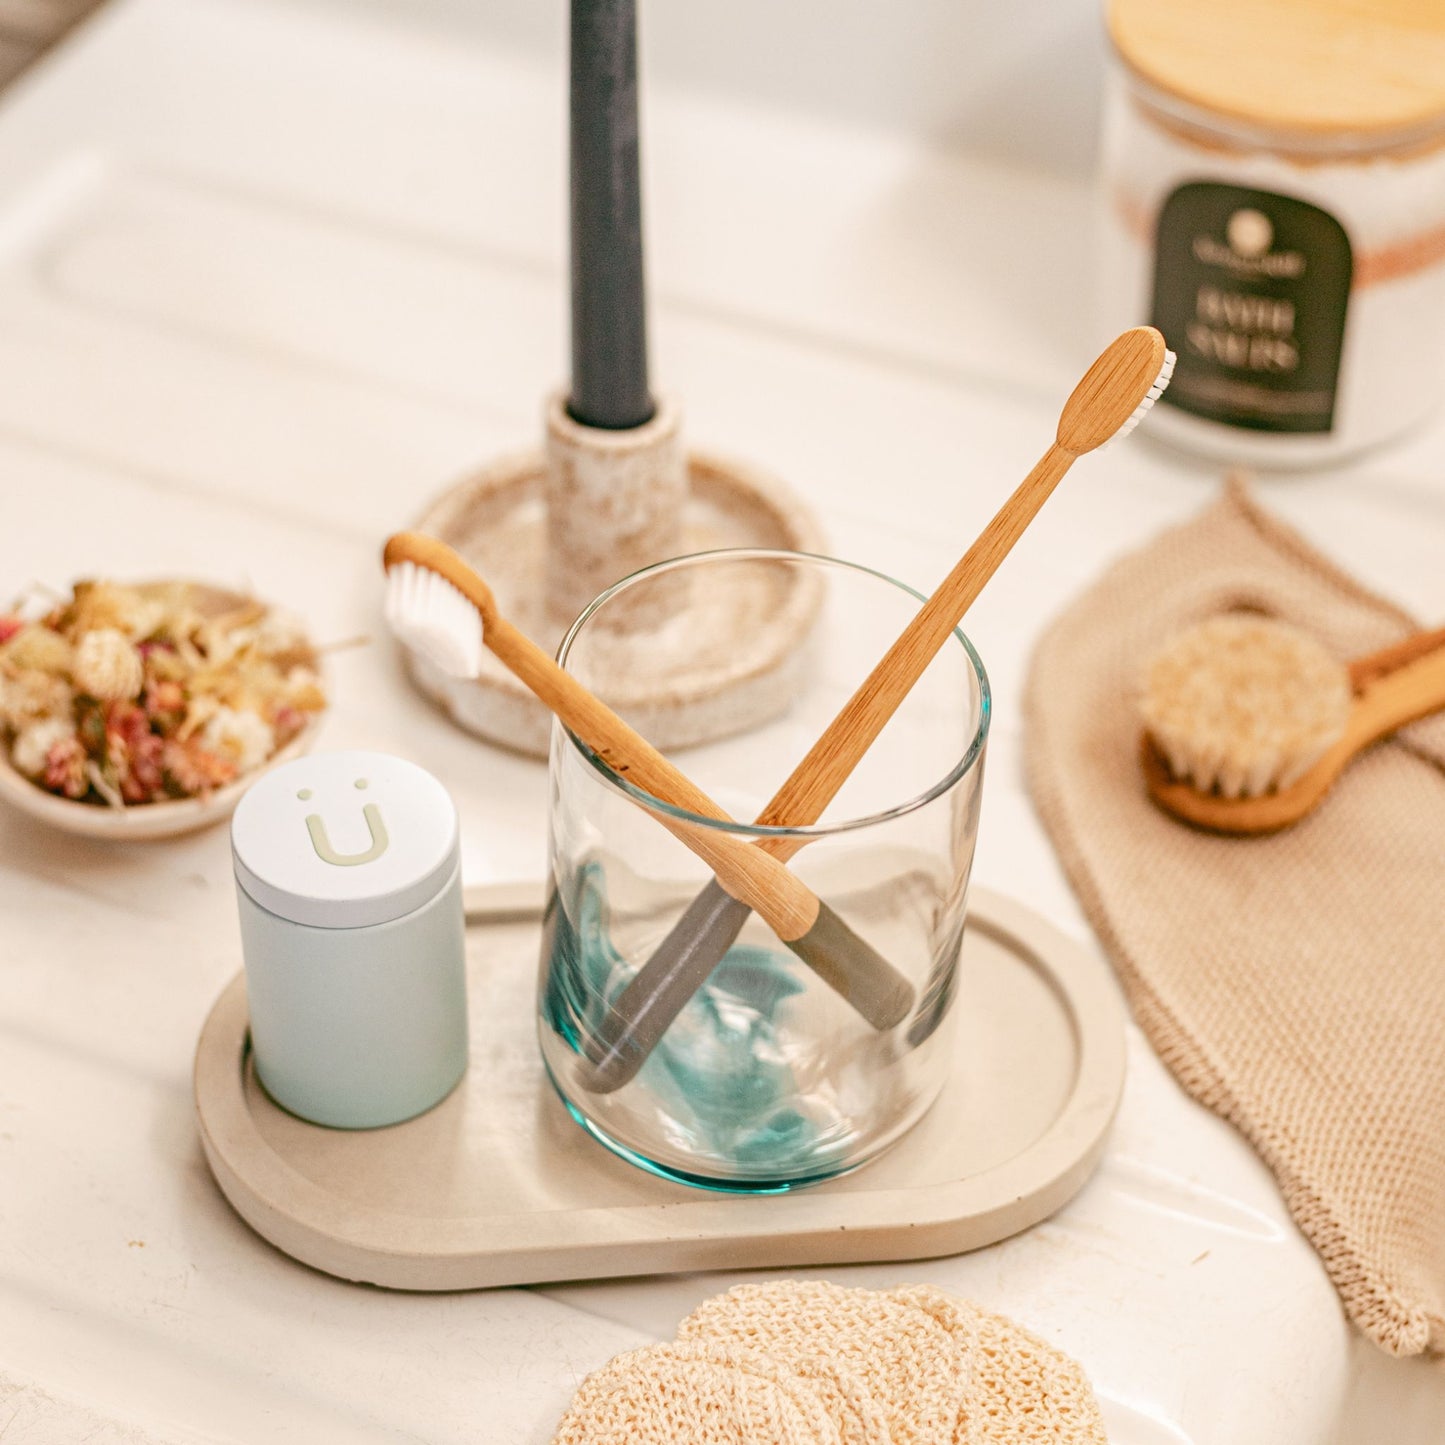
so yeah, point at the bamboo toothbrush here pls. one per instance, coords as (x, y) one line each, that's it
(1249, 721)
(1121, 385)
(437, 604)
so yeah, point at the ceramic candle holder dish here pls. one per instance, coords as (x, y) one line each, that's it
(768, 1079)
(538, 524)
(348, 881)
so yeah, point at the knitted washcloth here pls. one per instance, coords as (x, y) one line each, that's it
(1294, 983)
(1025, 1392)
(909, 1364)
(694, 1395)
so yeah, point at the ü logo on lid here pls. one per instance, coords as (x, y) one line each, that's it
(321, 842)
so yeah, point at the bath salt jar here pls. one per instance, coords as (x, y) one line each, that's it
(1274, 202)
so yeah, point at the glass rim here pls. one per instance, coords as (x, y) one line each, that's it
(971, 755)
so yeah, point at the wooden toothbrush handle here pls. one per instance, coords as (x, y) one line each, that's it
(1367, 669)
(751, 876)
(815, 782)
(1400, 696)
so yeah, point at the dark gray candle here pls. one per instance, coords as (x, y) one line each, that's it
(609, 322)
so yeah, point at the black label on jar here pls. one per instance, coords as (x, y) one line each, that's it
(1250, 291)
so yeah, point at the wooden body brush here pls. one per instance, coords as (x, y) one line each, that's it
(1248, 721)
(437, 604)
(1109, 400)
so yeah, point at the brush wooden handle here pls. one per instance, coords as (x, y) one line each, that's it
(1365, 670)
(1402, 695)
(1103, 401)
(816, 780)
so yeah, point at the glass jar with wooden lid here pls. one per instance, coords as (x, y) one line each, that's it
(1274, 202)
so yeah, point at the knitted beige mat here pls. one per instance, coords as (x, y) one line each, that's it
(1294, 983)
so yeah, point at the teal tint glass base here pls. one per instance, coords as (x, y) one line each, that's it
(720, 1086)
(695, 1181)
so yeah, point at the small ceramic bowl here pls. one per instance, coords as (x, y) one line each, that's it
(169, 819)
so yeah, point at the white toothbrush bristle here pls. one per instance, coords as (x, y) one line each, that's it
(1150, 397)
(429, 615)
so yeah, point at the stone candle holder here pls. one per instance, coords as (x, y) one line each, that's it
(551, 530)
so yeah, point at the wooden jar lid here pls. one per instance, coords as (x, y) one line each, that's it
(1319, 67)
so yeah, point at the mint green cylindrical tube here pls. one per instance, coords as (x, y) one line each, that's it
(349, 891)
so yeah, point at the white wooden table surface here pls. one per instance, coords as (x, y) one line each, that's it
(269, 278)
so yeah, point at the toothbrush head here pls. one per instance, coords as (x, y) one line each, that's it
(1127, 379)
(430, 615)
(1150, 397)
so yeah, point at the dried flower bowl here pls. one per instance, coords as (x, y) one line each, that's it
(146, 710)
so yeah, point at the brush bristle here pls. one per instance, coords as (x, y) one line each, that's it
(430, 616)
(1240, 704)
(1150, 397)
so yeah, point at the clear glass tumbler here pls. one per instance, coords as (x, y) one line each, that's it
(757, 1074)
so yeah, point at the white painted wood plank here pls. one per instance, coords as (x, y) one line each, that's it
(852, 235)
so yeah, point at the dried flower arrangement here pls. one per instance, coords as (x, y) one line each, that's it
(129, 695)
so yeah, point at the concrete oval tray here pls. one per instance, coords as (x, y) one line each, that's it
(498, 1186)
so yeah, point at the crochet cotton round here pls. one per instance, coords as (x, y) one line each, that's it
(694, 1394)
(907, 1364)
(1024, 1391)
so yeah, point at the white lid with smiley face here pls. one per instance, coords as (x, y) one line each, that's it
(345, 840)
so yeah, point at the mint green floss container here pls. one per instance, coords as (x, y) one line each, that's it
(348, 882)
